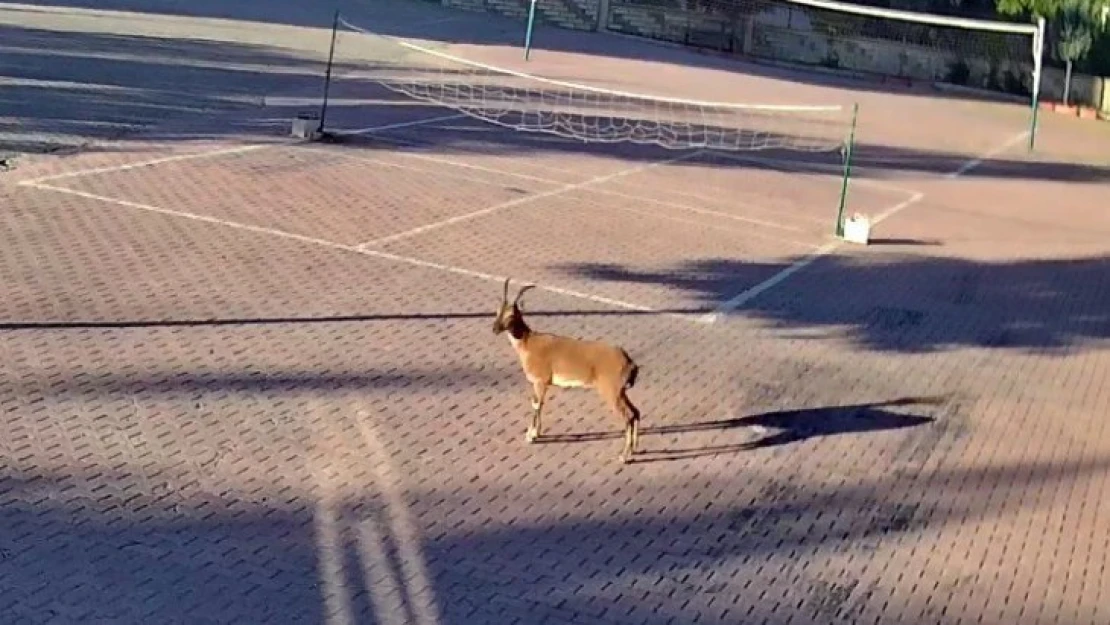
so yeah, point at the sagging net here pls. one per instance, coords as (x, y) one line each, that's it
(530, 103)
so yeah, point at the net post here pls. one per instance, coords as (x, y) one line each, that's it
(327, 73)
(847, 172)
(528, 31)
(1038, 55)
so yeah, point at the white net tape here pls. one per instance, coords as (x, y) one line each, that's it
(531, 103)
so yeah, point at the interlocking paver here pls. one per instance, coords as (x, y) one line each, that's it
(206, 424)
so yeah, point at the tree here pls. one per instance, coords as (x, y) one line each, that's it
(1077, 25)
(1044, 8)
(1050, 9)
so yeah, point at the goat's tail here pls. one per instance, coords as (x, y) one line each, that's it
(631, 371)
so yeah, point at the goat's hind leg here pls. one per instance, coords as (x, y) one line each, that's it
(629, 416)
(632, 426)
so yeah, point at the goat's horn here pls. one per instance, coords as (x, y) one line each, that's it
(521, 292)
(505, 294)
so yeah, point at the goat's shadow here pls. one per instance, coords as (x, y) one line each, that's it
(790, 426)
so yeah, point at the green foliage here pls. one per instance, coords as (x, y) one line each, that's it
(1050, 9)
(1098, 61)
(1076, 29)
(1045, 8)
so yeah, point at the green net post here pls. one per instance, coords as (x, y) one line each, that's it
(327, 72)
(847, 172)
(1038, 52)
(528, 31)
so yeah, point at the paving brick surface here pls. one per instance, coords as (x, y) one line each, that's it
(214, 408)
(209, 424)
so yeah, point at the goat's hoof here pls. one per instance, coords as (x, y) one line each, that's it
(625, 458)
(530, 436)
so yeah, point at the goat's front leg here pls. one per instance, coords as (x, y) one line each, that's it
(539, 395)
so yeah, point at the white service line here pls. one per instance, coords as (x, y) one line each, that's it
(436, 172)
(408, 124)
(239, 149)
(608, 192)
(746, 296)
(863, 182)
(520, 200)
(704, 211)
(666, 216)
(446, 161)
(416, 144)
(975, 162)
(349, 248)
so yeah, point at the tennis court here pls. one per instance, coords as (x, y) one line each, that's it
(253, 380)
(549, 219)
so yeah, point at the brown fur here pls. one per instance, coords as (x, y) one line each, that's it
(561, 361)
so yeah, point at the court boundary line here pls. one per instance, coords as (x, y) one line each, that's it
(742, 156)
(785, 226)
(747, 295)
(788, 165)
(435, 225)
(470, 273)
(802, 165)
(223, 151)
(663, 215)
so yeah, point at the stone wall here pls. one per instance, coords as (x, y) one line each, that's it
(573, 14)
(785, 35)
(1086, 90)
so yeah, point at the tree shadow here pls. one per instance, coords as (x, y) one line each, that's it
(75, 90)
(900, 303)
(708, 37)
(144, 531)
(749, 143)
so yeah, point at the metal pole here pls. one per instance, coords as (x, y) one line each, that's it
(528, 32)
(1038, 54)
(847, 172)
(327, 75)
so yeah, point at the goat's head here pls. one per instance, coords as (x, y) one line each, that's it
(509, 314)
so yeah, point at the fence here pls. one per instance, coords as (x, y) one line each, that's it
(784, 32)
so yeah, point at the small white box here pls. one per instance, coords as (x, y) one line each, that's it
(306, 126)
(857, 229)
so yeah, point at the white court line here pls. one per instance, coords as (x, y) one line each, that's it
(705, 211)
(220, 152)
(704, 224)
(409, 124)
(744, 297)
(609, 192)
(975, 162)
(445, 161)
(419, 145)
(525, 135)
(431, 172)
(519, 201)
(348, 248)
(863, 182)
